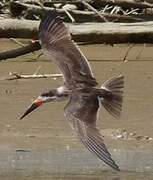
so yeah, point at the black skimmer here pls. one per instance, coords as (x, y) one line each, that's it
(79, 87)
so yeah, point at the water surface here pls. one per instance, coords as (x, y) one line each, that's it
(43, 146)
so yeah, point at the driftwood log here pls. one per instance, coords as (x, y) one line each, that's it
(79, 16)
(87, 32)
(99, 3)
(18, 28)
(13, 53)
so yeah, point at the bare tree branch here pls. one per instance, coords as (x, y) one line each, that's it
(15, 76)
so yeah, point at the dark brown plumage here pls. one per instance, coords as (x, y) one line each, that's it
(79, 87)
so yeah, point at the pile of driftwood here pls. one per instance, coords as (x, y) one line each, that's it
(84, 10)
(90, 21)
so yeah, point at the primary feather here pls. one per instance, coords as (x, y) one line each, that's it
(56, 42)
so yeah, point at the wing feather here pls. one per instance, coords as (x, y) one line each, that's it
(82, 118)
(56, 42)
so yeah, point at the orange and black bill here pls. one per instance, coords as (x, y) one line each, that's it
(34, 106)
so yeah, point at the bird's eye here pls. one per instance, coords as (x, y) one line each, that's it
(48, 94)
(45, 94)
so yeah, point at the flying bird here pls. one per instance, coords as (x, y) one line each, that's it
(79, 87)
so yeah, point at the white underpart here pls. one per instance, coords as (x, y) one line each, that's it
(61, 89)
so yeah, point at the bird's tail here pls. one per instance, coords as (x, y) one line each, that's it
(112, 100)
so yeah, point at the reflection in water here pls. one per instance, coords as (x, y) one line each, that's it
(72, 164)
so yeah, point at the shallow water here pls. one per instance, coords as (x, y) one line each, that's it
(73, 164)
(43, 146)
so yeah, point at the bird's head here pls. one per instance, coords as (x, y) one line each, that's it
(43, 98)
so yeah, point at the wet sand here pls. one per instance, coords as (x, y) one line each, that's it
(43, 146)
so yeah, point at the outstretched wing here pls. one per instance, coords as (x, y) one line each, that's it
(81, 112)
(56, 42)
